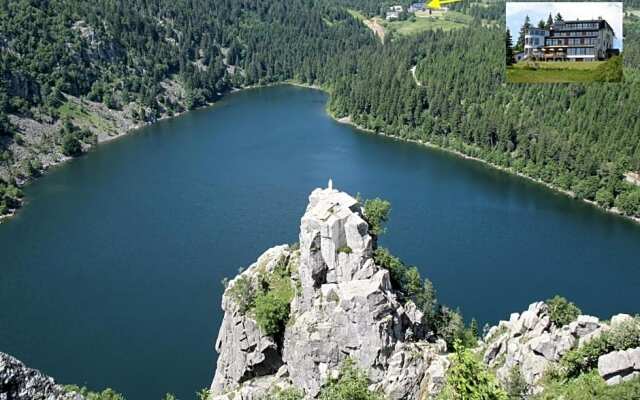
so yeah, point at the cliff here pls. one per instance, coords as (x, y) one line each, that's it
(18, 382)
(342, 305)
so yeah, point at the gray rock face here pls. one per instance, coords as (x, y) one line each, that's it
(619, 366)
(335, 245)
(245, 352)
(344, 307)
(18, 382)
(531, 342)
(358, 319)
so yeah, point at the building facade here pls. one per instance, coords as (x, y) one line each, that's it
(571, 41)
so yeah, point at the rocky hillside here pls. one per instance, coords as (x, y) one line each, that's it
(339, 306)
(18, 382)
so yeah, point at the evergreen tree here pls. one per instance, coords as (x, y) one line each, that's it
(509, 48)
(549, 21)
(559, 17)
(523, 31)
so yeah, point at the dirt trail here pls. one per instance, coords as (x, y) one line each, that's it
(413, 73)
(376, 27)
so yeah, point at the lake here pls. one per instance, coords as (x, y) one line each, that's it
(110, 276)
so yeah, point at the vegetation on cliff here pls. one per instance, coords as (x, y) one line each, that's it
(468, 378)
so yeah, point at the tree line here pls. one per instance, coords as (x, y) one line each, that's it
(581, 138)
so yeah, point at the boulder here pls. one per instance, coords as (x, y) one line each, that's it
(619, 366)
(531, 342)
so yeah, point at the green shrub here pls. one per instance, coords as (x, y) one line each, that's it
(516, 386)
(107, 394)
(344, 249)
(590, 386)
(585, 358)
(610, 71)
(272, 313)
(604, 197)
(376, 212)
(629, 202)
(243, 294)
(449, 325)
(587, 188)
(562, 311)
(71, 146)
(406, 279)
(286, 394)
(468, 378)
(272, 303)
(352, 384)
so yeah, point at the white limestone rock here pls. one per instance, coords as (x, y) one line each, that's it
(245, 352)
(344, 306)
(335, 245)
(619, 366)
(530, 341)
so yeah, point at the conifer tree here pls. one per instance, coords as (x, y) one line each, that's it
(508, 48)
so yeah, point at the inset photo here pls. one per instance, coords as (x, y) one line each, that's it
(567, 42)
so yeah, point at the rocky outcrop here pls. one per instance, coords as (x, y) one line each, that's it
(530, 342)
(344, 307)
(18, 382)
(619, 366)
(245, 352)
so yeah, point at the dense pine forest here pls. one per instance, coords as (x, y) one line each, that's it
(143, 60)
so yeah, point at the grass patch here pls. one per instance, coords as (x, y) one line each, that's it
(566, 72)
(445, 22)
(81, 117)
(590, 386)
(356, 14)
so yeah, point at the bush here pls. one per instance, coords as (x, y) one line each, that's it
(286, 394)
(406, 279)
(272, 313)
(449, 325)
(587, 188)
(243, 294)
(376, 212)
(107, 394)
(590, 386)
(344, 249)
(271, 305)
(71, 146)
(468, 378)
(585, 358)
(516, 386)
(562, 311)
(352, 384)
(604, 197)
(629, 202)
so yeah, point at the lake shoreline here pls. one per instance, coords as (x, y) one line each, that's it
(612, 210)
(342, 120)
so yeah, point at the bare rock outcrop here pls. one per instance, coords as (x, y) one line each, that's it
(530, 342)
(344, 307)
(19, 382)
(619, 366)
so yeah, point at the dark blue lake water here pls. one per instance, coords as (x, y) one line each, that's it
(110, 275)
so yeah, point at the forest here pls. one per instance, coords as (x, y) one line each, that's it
(579, 138)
